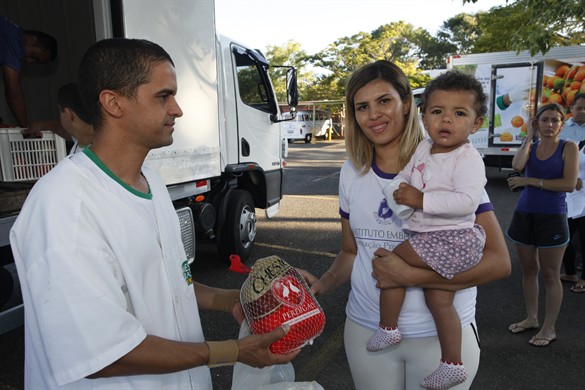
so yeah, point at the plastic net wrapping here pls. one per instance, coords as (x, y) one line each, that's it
(274, 294)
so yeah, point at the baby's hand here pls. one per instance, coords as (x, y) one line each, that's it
(409, 196)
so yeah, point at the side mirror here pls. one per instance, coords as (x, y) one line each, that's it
(292, 92)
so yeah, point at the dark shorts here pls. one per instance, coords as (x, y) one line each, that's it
(540, 230)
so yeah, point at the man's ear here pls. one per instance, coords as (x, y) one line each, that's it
(69, 114)
(109, 101)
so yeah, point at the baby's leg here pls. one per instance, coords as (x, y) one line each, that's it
(451, 371)
(408, 254)
(391, 303)
(387, 334)
(440, 303)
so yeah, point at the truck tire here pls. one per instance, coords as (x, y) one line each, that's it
(239, 228)
(6, 286)
(308, 138)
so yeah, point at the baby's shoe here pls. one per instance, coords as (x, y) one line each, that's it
(446, 376)
(384, 337)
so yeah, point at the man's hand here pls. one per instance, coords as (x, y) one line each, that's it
(254, 350)
(238, 312)
(35, 128)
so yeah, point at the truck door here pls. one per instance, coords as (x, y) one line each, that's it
(258, 136)
(514, 95)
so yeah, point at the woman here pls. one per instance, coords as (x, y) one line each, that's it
(382, 135)
(539, 225)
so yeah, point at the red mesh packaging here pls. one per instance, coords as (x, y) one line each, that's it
(274, 294)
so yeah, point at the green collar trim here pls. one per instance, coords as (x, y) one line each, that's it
(92, 156)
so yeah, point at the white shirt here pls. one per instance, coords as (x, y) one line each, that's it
(97, 277)
(573, 131)
(361, 201)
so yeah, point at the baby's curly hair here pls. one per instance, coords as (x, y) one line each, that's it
(457, 81)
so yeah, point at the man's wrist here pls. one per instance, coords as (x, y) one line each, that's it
(225, 300)
(222, 353)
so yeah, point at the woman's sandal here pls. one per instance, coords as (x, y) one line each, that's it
(578, 288)
(517, 328)
(569, 278)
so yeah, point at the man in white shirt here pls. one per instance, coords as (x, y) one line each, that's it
(574, 129)
(108, 294)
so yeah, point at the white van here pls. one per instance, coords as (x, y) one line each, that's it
(305, 126)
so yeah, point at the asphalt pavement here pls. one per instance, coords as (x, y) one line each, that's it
(306, 233)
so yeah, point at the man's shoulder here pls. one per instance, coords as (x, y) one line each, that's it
(11, 44)
(61, 180)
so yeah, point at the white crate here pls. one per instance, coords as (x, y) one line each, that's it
(28, 158)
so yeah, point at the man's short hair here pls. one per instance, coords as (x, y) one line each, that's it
(68, 97)
(45, 42)
(118, 64)
(577, 97)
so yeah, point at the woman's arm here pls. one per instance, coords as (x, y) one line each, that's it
(391, 271)
(521, 157)
(340, 270)
(567, 183)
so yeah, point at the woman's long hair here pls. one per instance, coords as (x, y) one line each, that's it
(359, 147)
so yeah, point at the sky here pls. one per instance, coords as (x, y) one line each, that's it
(317, 23)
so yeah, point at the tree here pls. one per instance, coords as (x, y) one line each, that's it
(397, 42)
(461, 31)
(534, 25)
(432, 51)
(290, 54)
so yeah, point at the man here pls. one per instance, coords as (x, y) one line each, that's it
(17, 46)
(74, 118)
(108, 295)
(74, 122)
(574, 129)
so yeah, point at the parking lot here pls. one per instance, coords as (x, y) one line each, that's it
(306, 233)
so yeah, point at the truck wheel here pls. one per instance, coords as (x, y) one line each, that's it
(239, 228)
(6, 286)
(308, 138)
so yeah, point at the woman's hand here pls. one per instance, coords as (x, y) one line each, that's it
(389, 270)
(531, 128)
(515, 182)
(311, 280)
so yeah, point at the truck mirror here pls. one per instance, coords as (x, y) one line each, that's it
(292, 92)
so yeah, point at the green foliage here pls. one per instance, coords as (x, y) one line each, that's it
(289, 55)
(535, 25)
(461, 31)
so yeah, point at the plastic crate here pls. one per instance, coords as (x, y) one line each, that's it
(28, 158)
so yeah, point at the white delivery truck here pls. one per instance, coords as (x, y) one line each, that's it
(227, 156)
(516, 84)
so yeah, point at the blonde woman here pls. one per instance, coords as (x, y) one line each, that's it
(382, 134)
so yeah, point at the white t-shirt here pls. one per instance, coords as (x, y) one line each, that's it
(98, 275)
(362, 202)
(573, 131)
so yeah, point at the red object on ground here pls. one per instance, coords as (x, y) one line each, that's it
(238, 266)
